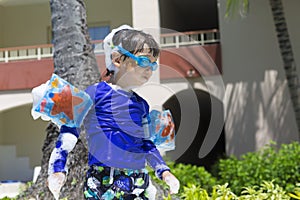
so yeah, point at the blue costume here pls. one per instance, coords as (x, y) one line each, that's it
(117, 134)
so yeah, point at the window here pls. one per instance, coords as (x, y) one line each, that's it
(99, 32)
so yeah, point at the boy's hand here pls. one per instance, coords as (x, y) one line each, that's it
(55, 182)
(171, 181)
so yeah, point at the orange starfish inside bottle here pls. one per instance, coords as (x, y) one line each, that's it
(64, 102)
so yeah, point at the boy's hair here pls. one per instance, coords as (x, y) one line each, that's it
(134, 40)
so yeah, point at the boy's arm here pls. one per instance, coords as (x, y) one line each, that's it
(57, 168)
(154, 158)
(66, 142)
(162, 171)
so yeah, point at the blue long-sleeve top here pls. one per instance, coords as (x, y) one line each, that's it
(117, 134)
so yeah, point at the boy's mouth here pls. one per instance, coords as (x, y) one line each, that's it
(146, 77)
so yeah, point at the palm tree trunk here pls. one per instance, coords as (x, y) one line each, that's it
(75, 62)
(74, 59)
(287, 56)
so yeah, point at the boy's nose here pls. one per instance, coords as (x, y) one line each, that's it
(148, 69)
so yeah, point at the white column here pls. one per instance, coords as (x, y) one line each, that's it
(145, 16)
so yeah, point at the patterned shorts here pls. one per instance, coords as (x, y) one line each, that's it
(105, 183)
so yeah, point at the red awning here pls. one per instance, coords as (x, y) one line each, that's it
(191, 61)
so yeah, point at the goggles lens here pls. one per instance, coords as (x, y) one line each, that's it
(141, 61)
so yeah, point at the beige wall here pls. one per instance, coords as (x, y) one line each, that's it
(258, 105)
(113, 12)
(1, 26)
(26, 25)
(29, 24)
(1, 128)
(18, 128)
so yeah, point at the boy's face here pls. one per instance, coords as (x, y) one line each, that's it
(130, 74)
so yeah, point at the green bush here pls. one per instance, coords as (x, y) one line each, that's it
(266, 191)
(193, 175)
(269, 164)
(270, 173)
(193, 192)
(188, 175)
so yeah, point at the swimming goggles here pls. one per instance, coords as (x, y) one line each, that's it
(141, 61)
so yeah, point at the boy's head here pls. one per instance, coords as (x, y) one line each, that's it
(135, 40)
(133, 57)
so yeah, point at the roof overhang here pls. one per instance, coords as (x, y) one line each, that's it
(21, 2)
(10, 100)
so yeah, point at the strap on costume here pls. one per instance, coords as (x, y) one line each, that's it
(111, 175)
(106, 75)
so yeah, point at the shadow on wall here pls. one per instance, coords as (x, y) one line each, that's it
(21, 143)
(192, 113)
(257, 113)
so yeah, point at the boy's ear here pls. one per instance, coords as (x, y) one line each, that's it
(116, 59)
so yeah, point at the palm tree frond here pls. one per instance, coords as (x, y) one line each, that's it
(236, 7)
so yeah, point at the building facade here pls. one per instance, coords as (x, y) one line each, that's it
(222, 79)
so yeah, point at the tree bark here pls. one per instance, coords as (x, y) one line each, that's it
(74, 61)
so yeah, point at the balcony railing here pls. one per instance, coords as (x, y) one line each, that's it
(166, 41)
(189, 38)
(26, 52)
